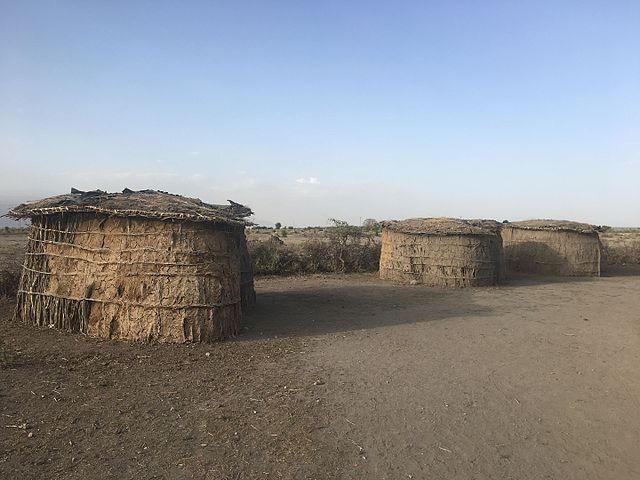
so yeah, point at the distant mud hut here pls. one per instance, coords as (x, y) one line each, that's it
(137, 265)
(444, 252)
(552, 247)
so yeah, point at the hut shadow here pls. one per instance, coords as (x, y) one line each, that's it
(533, 258)
(620, 271)
(518, 279)
(533, 263)
(329, 310)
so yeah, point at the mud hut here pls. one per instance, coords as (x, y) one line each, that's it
(552, 247)
(137, 265)
(444, 252)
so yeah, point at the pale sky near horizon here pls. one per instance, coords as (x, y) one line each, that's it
(310, 110)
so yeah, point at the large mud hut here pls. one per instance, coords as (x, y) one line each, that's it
(137, 265)
(552, 247)
(444, 252)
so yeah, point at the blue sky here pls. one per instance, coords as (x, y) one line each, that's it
(309, 110)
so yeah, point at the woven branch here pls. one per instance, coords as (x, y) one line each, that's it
(77, 286)
(445, 260)
(128, 303)
(128, 274)
(124, 234)
(104, 262)
(142, 204)
(552, 225)
(442, 226)
(122, 250)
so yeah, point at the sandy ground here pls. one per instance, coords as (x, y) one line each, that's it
(344, 377)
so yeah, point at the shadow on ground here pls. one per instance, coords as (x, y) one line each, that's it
(299, 310)
(621, 271)
(530, 279)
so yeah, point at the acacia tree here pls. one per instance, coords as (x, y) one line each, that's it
(347, 241)
(371, 224)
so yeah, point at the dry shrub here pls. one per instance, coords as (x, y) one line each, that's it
(317, 256)
(352, 249)
(354, 257)
(273, 257)
(344, 249)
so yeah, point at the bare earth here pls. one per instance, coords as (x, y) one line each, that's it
(343, 377)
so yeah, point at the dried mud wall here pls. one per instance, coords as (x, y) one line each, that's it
(133, 279)
(552, 252)
(444, 261)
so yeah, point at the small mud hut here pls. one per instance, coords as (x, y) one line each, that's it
(137, 265)
(443, 252)
(552, 247)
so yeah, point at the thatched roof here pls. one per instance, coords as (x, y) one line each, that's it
(143, 203)
(553, 225)
(443, 226)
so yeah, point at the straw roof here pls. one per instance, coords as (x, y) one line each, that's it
(443, 226)
(553, 225)
(143, 203)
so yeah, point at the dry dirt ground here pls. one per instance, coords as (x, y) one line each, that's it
(343, 377)
(11, 255)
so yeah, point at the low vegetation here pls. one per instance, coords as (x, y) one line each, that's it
(341, 248)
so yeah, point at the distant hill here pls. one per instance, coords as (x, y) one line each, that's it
(261, 222)
(5, 206)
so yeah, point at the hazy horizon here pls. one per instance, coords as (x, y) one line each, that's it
(307, 111)
(8, 202)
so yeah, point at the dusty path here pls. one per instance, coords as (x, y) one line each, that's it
(533, 380)
(343, 377)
